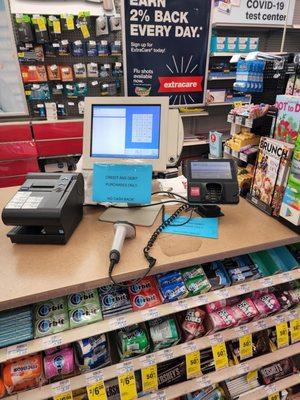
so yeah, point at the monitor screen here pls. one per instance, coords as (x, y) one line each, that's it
(211, 170)
(125, 131)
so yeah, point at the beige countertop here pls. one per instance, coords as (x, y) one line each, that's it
(30, 273)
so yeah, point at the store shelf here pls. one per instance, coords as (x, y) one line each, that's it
(132, 318)
(194, 114)
(135, 364)
(195, 142)
(220, 78)
(263, 391)
(229, 54)
(181, 389)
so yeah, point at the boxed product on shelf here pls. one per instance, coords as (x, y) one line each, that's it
(218, 44)
(16, 326)
(84, 308)
(22, 374)
(132, 341)
(192, 323)
(270, 176)
(277, 370)
(59, 363)
(51, 317)
(288, 120)
(171, 286)
(33, 73)
(144, 294)
(114, 300)
(92, 353)
(164, 332)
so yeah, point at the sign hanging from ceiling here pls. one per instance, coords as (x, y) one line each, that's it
(167, 44)
(258, 12)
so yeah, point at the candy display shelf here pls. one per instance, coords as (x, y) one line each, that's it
(183, 388)
(263, 391)
(138, 363)
(194, 114)
(222, 78)
(132, 318)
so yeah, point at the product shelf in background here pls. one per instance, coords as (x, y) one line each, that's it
(128, 319)
(183, 388)
(138, 363)
(194, 114)
(249, 159)
(263, 391)
(222, 78)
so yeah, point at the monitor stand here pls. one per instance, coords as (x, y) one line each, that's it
(142, 216)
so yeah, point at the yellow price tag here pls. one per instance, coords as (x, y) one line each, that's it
(27, 92)
(21, 55)
(41, 24)
(274, 396)
(149, 378)
(127, 386)
(246, 349)
(192, 361)
(96, 391)
(252, 376)
(70, 23)
(220, 355)
(238, 104)
(282, 333)
(56, 26)
(295, 330)
(85, 31)
(64, 396)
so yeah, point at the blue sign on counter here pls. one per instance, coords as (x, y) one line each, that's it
(122, 183)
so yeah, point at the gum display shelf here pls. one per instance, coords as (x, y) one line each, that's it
(118, 322)
(263, 391)
(182, 389)
(138, 363)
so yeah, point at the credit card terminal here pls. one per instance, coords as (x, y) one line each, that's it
(212, 182)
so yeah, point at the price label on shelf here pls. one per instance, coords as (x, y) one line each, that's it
(150, 378)
(274, 396)
(189, 347)
(203, 382)
(282, 333)
(193, 366)
(93, 377)
(271, 389)
(161, 395)
(246, 348)
(230, 118)
(252, 376)
(124, 367)
(249, 122)
(64, 396)
(261, 325)
(96, 391)
(201, 299)
(61, 387)
(181, 305)
(287, 277)
(223, 293)
(118, 323)
(165, 355)
(295, 330)
(242, 330)
(127, 386)
(216, 338)
(267, 282)
(17, 351)
(239, 120)
(52, 341)
(243, 368)
(243, 157)
(147, 360)
(151, 313)
(220, 355)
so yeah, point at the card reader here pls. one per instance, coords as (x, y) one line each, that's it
(46, 209)
(212, 182)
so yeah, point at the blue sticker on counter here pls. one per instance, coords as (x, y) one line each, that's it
(201, 227)
(122, 183)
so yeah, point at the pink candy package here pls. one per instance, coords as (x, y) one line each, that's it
(218, 305)
(245, 311)
(267, 304)
(221, 319)
(59, 363)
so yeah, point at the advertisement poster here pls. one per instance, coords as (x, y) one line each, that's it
(167, 49)
(258, 12)
(12, 98)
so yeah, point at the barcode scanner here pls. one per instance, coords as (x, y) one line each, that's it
(123, 230)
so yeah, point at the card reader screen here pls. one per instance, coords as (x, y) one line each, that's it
(201, 170)
(125, 131)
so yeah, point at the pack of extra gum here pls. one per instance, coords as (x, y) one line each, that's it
(171, 286)
(195, 280)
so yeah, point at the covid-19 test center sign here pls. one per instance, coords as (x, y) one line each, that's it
(167, 48)
(258, 12)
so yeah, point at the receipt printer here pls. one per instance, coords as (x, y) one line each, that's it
(46, 209)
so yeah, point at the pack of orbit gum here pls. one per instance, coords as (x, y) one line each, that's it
(144, 294)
